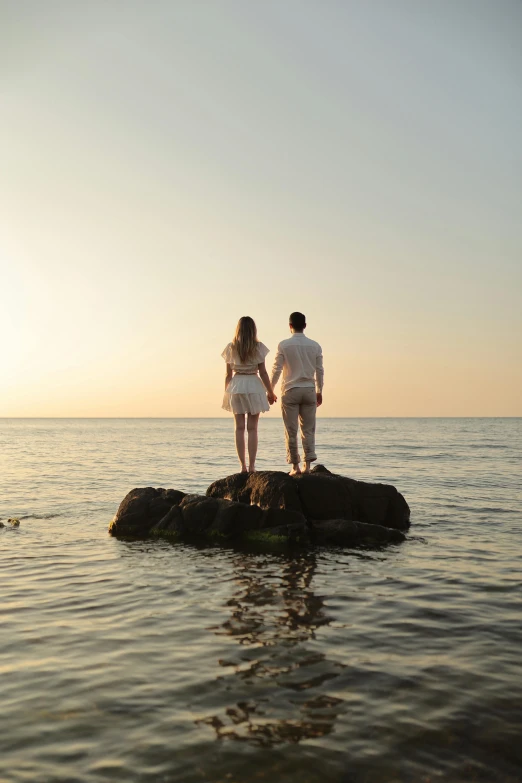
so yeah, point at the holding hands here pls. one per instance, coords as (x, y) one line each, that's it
(271, 397)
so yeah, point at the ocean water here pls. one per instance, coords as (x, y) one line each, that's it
(151, 661)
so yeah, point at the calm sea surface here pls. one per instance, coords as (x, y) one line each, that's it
(148, 661)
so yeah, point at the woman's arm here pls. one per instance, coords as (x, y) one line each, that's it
(228, 376)
(266, 382)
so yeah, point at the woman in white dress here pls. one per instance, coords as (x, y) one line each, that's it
(244, 392)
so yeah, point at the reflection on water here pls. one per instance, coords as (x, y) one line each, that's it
(145, 662)
(272, 617)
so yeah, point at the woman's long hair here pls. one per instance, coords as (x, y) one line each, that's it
(245, 338)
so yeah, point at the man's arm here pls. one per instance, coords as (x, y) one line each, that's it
(319, 376)
(277, 367)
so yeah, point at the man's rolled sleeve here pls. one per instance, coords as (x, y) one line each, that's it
(319, 373)
(277, 368)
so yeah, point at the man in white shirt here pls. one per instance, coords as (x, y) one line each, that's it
(301, 362)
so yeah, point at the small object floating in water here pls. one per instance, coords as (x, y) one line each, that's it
(14, 522)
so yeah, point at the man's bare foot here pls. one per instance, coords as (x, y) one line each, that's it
(296, 470)
(306, 467)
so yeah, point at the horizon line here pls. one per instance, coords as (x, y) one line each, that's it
(224, 418)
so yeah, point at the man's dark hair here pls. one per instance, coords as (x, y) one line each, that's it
(297, 321)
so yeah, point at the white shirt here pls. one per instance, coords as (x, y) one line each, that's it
(301, 361)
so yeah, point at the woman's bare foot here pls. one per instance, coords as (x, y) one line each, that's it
(244, 469)
(251, 468)
(296, 470)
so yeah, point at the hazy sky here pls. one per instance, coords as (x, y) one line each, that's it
(168, 166)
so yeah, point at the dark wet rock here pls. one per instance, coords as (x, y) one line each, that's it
(270, 506)
(348, 533)
(171, 523)
(275, 517)
(142, 508)
(320, 495)
(267, 489)
(199, 516)
(216, 516)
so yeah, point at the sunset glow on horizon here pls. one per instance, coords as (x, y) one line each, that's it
(170, 167)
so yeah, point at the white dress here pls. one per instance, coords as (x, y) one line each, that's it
(245, 392)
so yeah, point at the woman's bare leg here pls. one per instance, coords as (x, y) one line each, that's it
(252, 420)
(240, 439)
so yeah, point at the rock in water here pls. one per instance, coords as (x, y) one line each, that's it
(270, 506)
(141, 509)
(154, 512)
(320, 495)
(344, 533)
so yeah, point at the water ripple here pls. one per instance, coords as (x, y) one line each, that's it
(143, 661)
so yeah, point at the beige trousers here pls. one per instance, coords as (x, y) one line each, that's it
(299, 405)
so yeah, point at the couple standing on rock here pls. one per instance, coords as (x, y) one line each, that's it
(301, 362)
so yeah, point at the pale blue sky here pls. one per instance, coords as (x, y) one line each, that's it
(170, 166)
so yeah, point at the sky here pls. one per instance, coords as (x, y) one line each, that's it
(169, 166)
